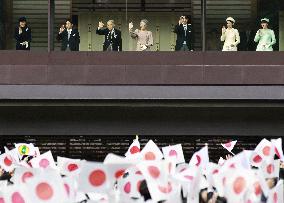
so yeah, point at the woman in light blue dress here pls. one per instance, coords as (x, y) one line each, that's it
(265, 37)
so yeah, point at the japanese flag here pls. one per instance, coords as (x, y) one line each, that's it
(94, 177)
(16, 194)
(254, 191)
(13, 153)
(229, 145)
(22, 175)
(270, 169)
(68, 166)
(237, 183)
(134, 148)
(25, 149)
(116, 171)
(174, 152)
(47, 187)
(276, 194)
(277, 143)
(151, 152)
(200, 158)
(129, 185)
(71, 188)
(43, 161)
(7, 162)
(265, 150)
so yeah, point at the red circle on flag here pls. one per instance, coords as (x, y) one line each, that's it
(215, 171)
(266, 151)
(173, 153)
(1, 200)
(188, 177)
(277, 152)
(239, 185)
(154, 172)
(8, 161)
(44, 163)
(270, 168)
(275, 197)
(17, 198)
(67, 188)
(127, 187)
(257, 189)
(198, 158)
(26, 176)
(72, 167)
(134, 150)
(44, 191)
(228, 144)
(257, 159)
(166, 189)
(138, 185)
(119, 173)
(97, 178)
(138, 173)
(150, 156)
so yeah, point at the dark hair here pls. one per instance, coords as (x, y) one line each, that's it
(23, 19)
(69, 20)
(188, 17)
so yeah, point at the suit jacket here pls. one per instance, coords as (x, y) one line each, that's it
(26, 35)
(73, 41)
(182, 36)
(111, 37)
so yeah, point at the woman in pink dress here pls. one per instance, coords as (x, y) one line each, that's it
(143, 36)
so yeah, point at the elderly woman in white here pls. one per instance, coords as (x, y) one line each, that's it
(230, 36)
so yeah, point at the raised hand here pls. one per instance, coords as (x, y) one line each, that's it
(61, 29)
(130, 25)
(223, 29)
(20, 30)
(101, 25)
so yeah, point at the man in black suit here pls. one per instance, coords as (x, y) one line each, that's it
(23, 35)
(113, 41)
(69, 36)
(184, 33)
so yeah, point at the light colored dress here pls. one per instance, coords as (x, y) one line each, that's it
(144, 39)
(230, 37)
(266, 39)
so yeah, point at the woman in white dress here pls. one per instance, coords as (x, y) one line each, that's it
(143, 36)
(230, 36)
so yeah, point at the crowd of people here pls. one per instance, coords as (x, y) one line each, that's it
(70, 37)
(148, 175)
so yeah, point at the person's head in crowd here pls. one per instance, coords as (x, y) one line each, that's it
(185, 19)
(264, 23)
(221, 200)
(110, 24)
(68, 24)
(203, 196)
(22, 22)
(144, 24)
(230, 22)
(271, 182)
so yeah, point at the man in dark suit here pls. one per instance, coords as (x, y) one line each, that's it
(23, 35)
(113, 41)
(184, 33)
(69, 37)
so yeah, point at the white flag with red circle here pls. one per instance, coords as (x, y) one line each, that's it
(237, 183)
(47, 187)
(230, 145)
(7, 162)
(94, 177)
(151, 152)
(134, 148)
(71, 188)
(68, 166)
(277, 143)
(16, 194)
(174, 152)
(200, 158)
(265, 150)
(270, 169)
(23, 174)
(129, 184)
(44, 161)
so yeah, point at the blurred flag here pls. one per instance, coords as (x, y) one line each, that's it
(174, 152)
(230, 145)
(151, 152)
(68, 166)
(134, 148)
(44, 161)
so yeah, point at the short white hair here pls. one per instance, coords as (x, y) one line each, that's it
(145, 21)
(111, 21)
